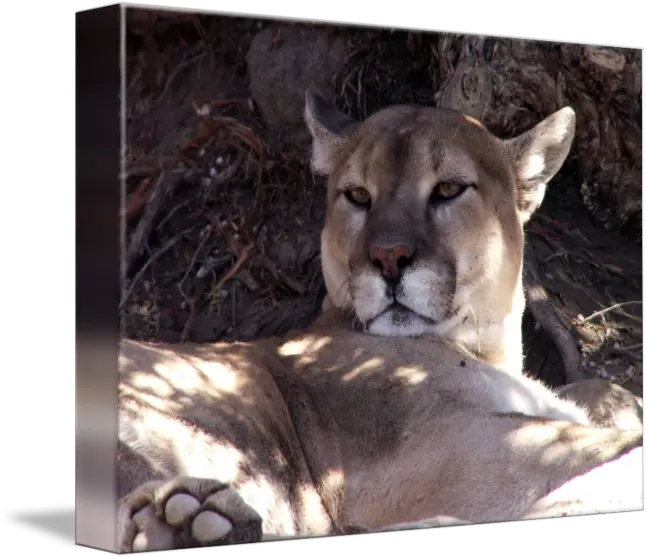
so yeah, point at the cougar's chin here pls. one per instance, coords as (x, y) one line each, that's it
(400, 321)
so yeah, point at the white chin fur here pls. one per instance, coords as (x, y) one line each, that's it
(385, 326)
(393, 324)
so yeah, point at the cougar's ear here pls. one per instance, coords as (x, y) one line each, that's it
(538, 155)
(330, 129)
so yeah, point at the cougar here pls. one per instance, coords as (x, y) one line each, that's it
(405, 404)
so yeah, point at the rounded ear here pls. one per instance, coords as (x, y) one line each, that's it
(330, 129)
(537, 155)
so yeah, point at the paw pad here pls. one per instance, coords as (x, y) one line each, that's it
(210, 526)
(179, 507)
(206, 527)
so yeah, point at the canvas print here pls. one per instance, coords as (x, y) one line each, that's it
(372, 280)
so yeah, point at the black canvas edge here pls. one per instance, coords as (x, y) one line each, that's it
(98, 237)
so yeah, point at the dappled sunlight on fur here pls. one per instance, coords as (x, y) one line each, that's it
(378, 414)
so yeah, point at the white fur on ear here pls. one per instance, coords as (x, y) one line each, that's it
(537, 155)
(329, 128)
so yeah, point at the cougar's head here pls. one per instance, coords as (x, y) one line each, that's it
(424, 224)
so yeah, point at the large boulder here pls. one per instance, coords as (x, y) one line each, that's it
(282, 62)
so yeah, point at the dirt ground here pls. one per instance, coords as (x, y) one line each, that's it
(229, 248)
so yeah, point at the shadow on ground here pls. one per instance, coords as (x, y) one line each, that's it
(60, 523)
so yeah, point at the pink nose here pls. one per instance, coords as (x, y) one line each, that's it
(391, 260)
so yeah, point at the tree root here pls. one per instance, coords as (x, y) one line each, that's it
(546, 316)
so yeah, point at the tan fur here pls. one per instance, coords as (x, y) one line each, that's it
(609, 404)
(466, 274)
(366, 422)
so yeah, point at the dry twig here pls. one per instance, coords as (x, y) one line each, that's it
(156, 255)
(197, 252)
(137, 200)
(281, 277)
(608, 309)
(195, 305)
(174, 73)
(162, 190)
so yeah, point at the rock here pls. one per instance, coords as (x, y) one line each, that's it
(282, 62)
(511, 84)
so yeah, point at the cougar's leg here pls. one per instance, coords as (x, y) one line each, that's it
(607, 404)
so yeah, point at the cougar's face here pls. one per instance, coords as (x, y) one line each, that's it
(421, 217)
(424, 225)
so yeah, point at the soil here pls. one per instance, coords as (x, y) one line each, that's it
(232, 250)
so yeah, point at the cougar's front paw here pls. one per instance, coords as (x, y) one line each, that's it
(185, 512)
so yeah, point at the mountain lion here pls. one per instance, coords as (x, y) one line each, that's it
(405, 404)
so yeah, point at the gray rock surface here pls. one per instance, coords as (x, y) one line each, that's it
(282, 62)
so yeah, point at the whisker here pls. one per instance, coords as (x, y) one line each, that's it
(344, 283)
(475, 319)
(457, 128)
(356, 322)
(348, 311)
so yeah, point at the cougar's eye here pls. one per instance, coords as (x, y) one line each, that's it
(447, 190)
(358, 196)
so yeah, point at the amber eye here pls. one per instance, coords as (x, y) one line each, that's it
(358, 196)
(447, 190)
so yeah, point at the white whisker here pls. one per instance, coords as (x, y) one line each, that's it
(475, 320)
